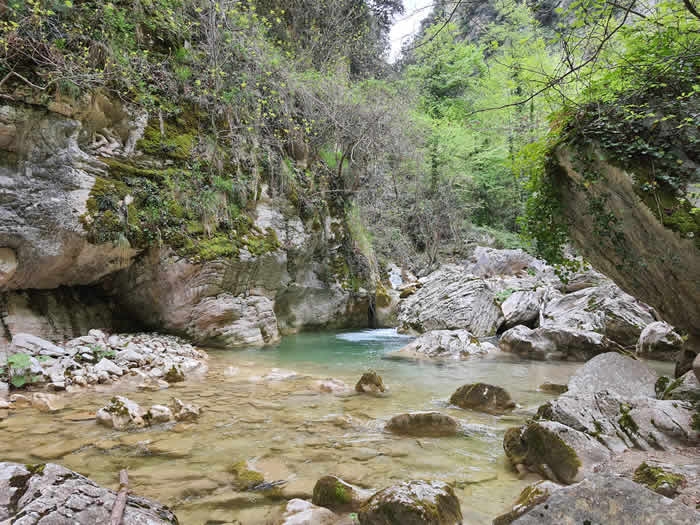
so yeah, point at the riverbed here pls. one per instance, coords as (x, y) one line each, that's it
(264, 406)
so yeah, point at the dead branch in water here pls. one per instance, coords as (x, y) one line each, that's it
(120, 502)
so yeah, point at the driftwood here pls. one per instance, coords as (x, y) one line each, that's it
(120, 502)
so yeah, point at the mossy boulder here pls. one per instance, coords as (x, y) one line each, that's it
(335, 494)
(370, 382)
(552, 388)
(174, 375)
(658, 479)
(555, 451)
(423, 424)
(483, 397)
(412, 503)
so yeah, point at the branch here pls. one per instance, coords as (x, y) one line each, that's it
(443, 26)
(120, 501)
(690, 7)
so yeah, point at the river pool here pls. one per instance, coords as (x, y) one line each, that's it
(284, 427)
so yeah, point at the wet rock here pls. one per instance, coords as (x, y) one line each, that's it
(658, 479)
(451, 299)
(245, 477)
(45, 402)
(45, 493)
(121, 413)
(554, 342)
(20, 401)
(159, 414)
(530, 497)
(300, 512)
(552, 388)
(444, 344)
(370, 382)
(412, 503)
(483, 397)
(184, 411)
(605, 498)
(659, 340)
(421, 424)
(335, 494)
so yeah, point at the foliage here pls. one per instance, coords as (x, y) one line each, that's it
(19, 370)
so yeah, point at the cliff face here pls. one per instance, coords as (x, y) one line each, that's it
(104, 222)
(631, 241)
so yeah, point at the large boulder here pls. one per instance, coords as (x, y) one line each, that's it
(616, 373)
(523, 307)
(413, 503)
(46, 493)
(605, 498)
(489, 262)
(483, 397)
(420, 424)
(554, 342)
(444, 344)
(451, 299)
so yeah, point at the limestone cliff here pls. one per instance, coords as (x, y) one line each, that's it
(109, 218)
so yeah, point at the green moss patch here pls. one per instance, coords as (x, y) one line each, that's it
(658, 479)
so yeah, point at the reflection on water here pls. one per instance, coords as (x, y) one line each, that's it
(290, 431)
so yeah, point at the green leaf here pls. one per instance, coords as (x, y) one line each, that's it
(18, 381)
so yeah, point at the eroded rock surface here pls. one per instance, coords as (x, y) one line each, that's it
(423, 424)
(604, 498)
(53, 494)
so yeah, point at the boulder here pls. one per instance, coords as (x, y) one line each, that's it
(300, 512)
(555, 451)
(420, 424)
(685, 388)
(45, 402)
(335, 494)
(36, 346)
(121, 413)
(615, 373)
(370, 382)
(159, 414)
(554, 342)
(531, 496)
(488, 262)
(659, 479)
(44, 493)
(522, 307)
(605, 498)
(412, 503)
(483, 397)
(552, 388)
(451, 299)
(105, 365)
(659, 340)
(444, 344)
(696, 367)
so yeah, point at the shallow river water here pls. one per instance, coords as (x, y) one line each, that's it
(291, 432)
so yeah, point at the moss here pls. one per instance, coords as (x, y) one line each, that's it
(246, 478)
(660, 386)
(36, 468)
(695, 422)
(515, 449)
(177, 143)
(219, 246)
(122, 170)
(117, 407)
(628, 425)
(382, 297)
(658, 479)
(547, 448)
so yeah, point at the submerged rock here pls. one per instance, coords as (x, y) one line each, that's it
(370, 382)
(46, 493)
(605, 498)
(444, 344)
(300, 512)
(421, 424)
(159, 414)
(412, 503)
(552, 388)
(483, 397)
(337, 495)
(184, 411)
